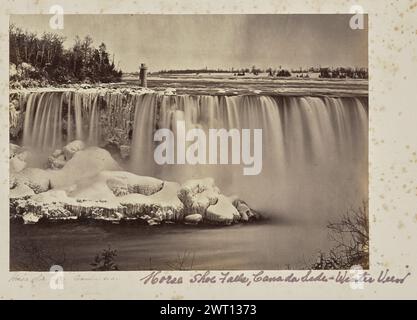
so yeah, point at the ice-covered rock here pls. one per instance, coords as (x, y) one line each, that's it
(153, 222)
(71, 148)
(57, 153)
(24, 155)
(138, 184)
(14, 149)
(50, 205)
(90, 188)
(56, 162)
(193, 218)
(163, 204)
(91, 185)
(16, 164)
(223, 212)
(84, 164)
(18, 157)
(57, 159)
(95, 198)
(38, 180)
(104, 215)
(18, 191)
(246, 213)
(243, 209)
(122, 182)
(12, 182)
(170, 91)
(198, 194)
(118, 186)
(30, 218)
(112, 184)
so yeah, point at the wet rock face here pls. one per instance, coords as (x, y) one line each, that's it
(90, 185)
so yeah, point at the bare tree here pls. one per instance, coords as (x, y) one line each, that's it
(351, 236)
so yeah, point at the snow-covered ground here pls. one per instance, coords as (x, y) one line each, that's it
(218, 84)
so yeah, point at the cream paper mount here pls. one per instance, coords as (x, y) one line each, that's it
(203, 150)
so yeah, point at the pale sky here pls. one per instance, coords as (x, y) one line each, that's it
(215, 41)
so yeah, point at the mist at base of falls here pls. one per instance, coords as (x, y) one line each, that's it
(314, 149)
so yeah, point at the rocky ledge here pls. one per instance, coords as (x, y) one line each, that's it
(87, 183)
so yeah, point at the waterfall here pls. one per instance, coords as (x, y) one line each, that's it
(43, 121)
(314, 148)
(44, 128)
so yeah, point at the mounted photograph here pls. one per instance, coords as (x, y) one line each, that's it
(188, 142)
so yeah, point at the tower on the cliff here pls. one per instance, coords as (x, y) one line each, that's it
(142, 75)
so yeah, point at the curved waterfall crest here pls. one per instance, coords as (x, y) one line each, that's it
(306, 139)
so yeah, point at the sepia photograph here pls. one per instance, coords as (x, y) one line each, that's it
(182, 142)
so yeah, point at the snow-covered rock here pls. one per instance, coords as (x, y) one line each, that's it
(12, 181)
(193, 218)
(18, 157)
(246, 213)
(163, 204)
(30, 218)
(56, 162)
(71, 148)
(57, 153)
(153, 222)
(84, 164)
(36, 179)
(223, 212)
(91, 185)
(19, 191)
(24, 155)
(170, 91)
(198, 194)
(16, 164)
(120, 183)
(243, 209)
(14, 149)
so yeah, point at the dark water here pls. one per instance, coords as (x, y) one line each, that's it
(268, 245)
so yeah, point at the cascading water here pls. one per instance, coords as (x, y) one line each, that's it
(53, 119)
(314, 148)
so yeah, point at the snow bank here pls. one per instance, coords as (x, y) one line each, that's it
(91, 185)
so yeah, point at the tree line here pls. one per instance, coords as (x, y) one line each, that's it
(50, 61)
(323, 72)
